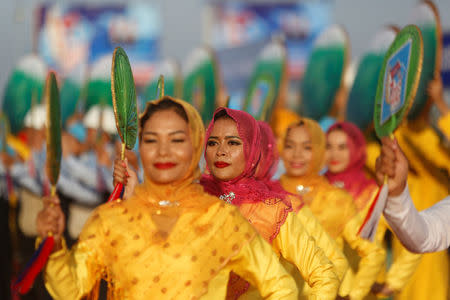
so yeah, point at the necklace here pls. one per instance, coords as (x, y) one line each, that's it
(227, 197)
(301, 189)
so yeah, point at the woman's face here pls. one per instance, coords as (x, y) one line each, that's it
(166, 148)
(225, 150)
(338, 152)
(297, 152)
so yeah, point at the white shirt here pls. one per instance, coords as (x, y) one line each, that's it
(425, 231)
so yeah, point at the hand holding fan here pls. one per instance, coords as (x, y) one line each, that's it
(125, 106)
(53, 162)
(397, 86)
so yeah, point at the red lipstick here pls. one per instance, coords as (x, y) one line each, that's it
(221, 164)
(334, 162)
(164, 166)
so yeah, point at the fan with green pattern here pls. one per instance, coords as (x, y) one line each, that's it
(324, 72)
(25, 86)
(201, 85)
(361, 99)
(98, 88)
(267, 80)
(125, 106)
(172, 80)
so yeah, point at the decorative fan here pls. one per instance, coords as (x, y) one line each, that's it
(53, 162)
(396, 89)
(324, 72)
(267, 81)
(125, 106)
(201, 86)
(361, 99)
(25, 86)
(172, 80)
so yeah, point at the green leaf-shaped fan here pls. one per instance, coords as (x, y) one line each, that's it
(324, 72)
(124, 99)
(160, 88)
(361, 99)
(426, 17)
(25, 83)
(201, 82)
(51, 98)
(172, 80)
(267, 79)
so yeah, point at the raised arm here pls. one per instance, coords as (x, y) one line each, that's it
(426, 231)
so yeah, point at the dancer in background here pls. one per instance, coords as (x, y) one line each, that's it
(346, 156)
(264, 172)
(303, 154)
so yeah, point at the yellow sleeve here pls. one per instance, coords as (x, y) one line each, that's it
(403, 267)
(424, 146)
(373, 151)
(298, 247)
(372, 259)
(444, 125)
(260, 266)
(324, 241)
(73, 274)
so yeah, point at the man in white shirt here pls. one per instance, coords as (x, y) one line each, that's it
(420, 232)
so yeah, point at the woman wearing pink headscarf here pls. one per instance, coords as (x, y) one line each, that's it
(233, 154)
(346, 157)
(266, 168)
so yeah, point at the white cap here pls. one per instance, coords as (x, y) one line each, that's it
(36, 117)
(92, 119)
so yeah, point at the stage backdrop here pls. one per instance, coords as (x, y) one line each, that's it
(238, 31)
(72, 37)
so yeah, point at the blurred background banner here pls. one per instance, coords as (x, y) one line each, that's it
(445, 70)
(72, 37)
(239, 30)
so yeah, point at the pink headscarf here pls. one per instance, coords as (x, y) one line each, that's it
(269, 154)
(353, 178)
(245, 188)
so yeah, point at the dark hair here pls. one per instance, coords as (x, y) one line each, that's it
(301, 123)
(222, 115)
(165, 104)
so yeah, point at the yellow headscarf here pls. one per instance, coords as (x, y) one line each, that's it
(197, 135)
(282, 118)
(318, 141)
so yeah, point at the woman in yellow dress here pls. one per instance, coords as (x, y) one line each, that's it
(233, 151)
(169, 240)
(266, 168)
(303, 154)
(346, 156)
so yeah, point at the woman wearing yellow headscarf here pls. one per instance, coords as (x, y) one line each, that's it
(169, 240)
(303, 150)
